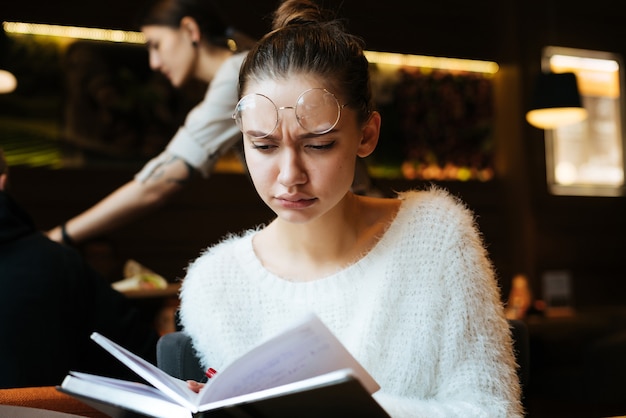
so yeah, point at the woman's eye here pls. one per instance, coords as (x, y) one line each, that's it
(324, 146)
(262, 147)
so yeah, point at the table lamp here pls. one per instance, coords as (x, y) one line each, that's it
(556, 101)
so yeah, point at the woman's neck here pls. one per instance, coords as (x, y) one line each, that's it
(316, 249)
(210, 59)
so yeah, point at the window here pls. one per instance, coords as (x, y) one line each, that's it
(587, 158)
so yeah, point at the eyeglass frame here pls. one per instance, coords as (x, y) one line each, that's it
(339, 109)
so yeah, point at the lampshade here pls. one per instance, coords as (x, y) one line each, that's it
(556, 101)
(8, 83)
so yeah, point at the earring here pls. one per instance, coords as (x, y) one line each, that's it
(194, 44)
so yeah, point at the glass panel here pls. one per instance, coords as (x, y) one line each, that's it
(587, 158)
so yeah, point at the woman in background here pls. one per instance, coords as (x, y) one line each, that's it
(186, 39)
(405, 283)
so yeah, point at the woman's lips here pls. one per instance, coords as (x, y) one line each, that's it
(296, 202)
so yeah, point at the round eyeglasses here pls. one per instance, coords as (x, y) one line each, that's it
(317, 111)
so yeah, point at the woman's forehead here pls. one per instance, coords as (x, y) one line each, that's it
(288, 88)
(154, 33)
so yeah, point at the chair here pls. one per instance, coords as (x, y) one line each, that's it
(176, 356)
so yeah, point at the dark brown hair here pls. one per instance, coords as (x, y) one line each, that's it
(309, 40)
(206, 13)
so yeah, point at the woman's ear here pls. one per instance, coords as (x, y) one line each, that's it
(371, 132)
(3, 181)
(189, 25)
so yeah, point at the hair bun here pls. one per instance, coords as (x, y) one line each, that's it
(298, 12)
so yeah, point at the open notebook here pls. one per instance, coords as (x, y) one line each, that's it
(304, 371)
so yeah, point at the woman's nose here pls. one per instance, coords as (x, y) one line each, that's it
(153, 59)
(292, 171)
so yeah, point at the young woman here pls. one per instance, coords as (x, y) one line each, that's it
(405, 283)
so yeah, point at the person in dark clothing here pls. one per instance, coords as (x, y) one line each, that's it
(51, 300)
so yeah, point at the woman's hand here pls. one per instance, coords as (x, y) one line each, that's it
(55, 234)
(195, 386)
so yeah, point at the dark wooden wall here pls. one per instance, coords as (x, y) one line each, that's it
(527, 229)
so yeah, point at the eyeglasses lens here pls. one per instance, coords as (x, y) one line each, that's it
(256, 115)
(317, 111)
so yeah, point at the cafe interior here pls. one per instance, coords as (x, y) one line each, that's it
(455, 82)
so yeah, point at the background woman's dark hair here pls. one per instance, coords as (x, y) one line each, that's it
(308, 39)
(206, 13)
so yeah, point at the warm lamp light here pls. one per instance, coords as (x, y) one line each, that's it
(8, 82)
(556, 101)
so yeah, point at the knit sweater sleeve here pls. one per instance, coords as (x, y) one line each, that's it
(474, 371)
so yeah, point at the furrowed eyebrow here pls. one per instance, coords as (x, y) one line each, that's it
(302, 137)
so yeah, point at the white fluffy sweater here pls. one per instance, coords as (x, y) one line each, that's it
(421, 311)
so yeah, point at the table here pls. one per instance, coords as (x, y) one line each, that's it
(171, 291)
(14, 411)
(578, 363)
(43, 401)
